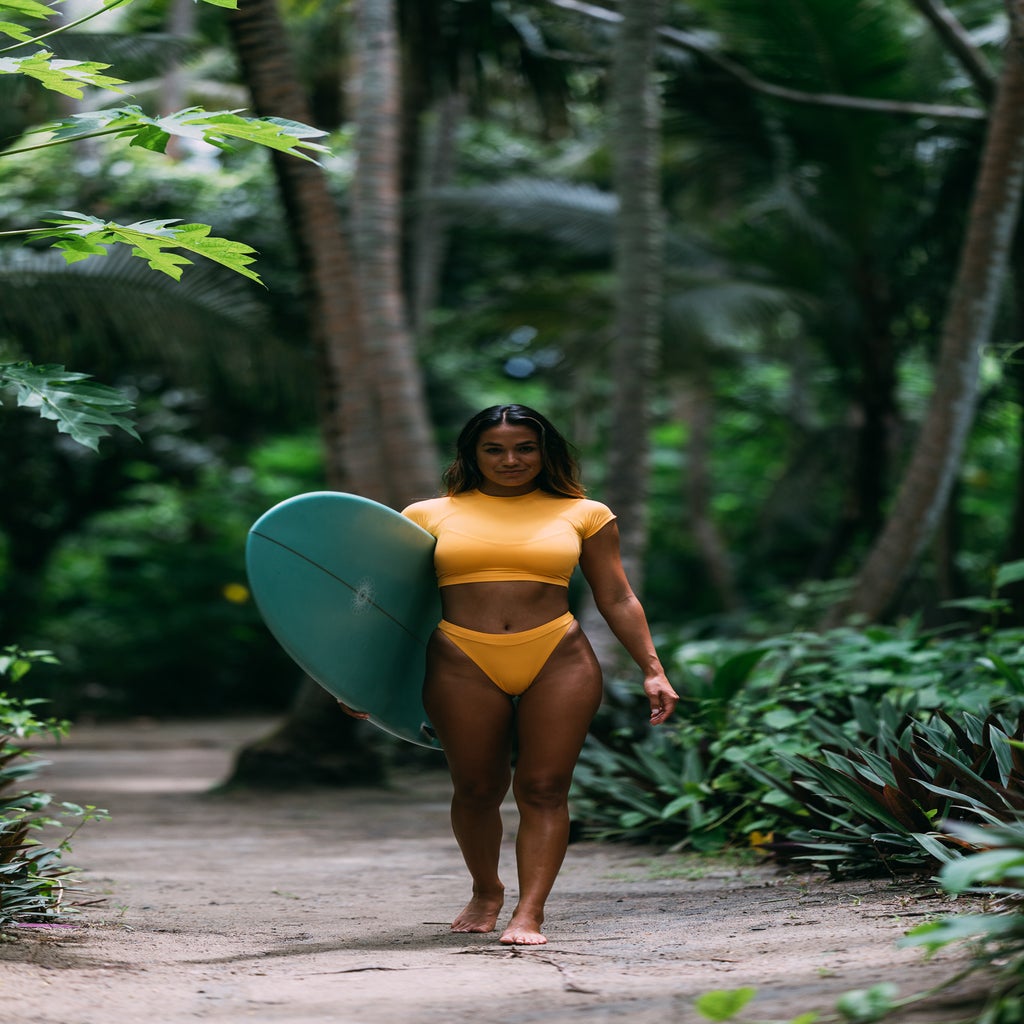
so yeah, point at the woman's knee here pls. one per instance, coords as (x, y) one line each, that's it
(541, 791)
(480, 793)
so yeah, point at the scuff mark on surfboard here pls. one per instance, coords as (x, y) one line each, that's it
(364, 596)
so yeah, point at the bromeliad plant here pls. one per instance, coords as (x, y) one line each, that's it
(33, 877)
(785, 698)
(886, 803)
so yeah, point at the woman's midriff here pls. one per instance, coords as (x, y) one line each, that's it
(503, 607)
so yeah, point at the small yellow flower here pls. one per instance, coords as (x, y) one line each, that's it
(236, 593)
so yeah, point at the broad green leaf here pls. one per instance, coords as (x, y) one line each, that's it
(18, 32)
(937, 934)
(80, 407)
(24, 9)
(79, 236)
(780, 718)
(978, 868)
(1006, 670)
(867, 1004)
(29, 9)
(733, 674)
(681, 803)
(1011, 572)
(725, 1003)
(67, 77)
(213, 127)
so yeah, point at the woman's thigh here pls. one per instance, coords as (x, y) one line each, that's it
(473, 719)
(556, 711)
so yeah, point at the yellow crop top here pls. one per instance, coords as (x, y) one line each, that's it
(480, 538)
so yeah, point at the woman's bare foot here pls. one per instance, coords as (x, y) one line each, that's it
(480, 914)
(523, 930)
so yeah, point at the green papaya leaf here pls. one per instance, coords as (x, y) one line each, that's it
(68, 77)
(153, 132)
(80, 236)
(80, 407)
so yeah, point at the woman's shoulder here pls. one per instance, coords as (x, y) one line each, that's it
(581, 503)
(427, 503)
(586, 514)
(428, 512)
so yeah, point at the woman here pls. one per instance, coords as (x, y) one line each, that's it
(508, 654)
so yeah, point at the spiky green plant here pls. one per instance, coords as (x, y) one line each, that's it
(886, 804)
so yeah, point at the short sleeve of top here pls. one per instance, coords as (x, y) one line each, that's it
(481, 538)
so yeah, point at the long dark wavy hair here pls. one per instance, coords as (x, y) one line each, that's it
(560, 474)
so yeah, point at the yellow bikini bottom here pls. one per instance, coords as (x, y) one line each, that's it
(512, 661)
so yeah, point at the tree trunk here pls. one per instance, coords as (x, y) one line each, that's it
(436, 170)
(975, 296)
(348, 426)
(635, 141)
(307, 744)
(400, 405)
(694, 403)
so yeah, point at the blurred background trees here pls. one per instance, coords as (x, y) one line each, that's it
(816, 168)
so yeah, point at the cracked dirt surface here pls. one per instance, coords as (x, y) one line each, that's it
(330, 906)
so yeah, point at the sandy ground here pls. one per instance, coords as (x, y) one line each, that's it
(333, 906)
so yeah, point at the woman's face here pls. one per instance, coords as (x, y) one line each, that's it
(510, 460)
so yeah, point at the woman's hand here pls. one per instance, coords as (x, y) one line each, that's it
(662, 697)
(351, 712)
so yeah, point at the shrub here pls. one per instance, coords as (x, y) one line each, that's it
(33, 878)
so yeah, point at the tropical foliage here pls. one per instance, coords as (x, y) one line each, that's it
(847, 749)
(35, 882)
(33, 878)
(817, 168)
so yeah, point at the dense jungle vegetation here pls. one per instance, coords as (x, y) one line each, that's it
(761, 261)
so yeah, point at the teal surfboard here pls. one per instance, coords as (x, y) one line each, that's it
(347, 587)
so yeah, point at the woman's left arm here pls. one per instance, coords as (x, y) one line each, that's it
(601, 563)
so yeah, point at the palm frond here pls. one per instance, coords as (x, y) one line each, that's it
(580, 217)
(130, 56)
(112, 309)
(724, 308)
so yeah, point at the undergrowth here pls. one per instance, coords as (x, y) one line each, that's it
(35, 883)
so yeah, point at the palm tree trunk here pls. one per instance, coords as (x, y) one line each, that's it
(635, 141)
(694, 406)
(316, 742)
(347, 423)
(975, 296)
(638, 259)
(395, 379)
(435, 170)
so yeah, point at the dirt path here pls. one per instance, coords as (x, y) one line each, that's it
(333, 906)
